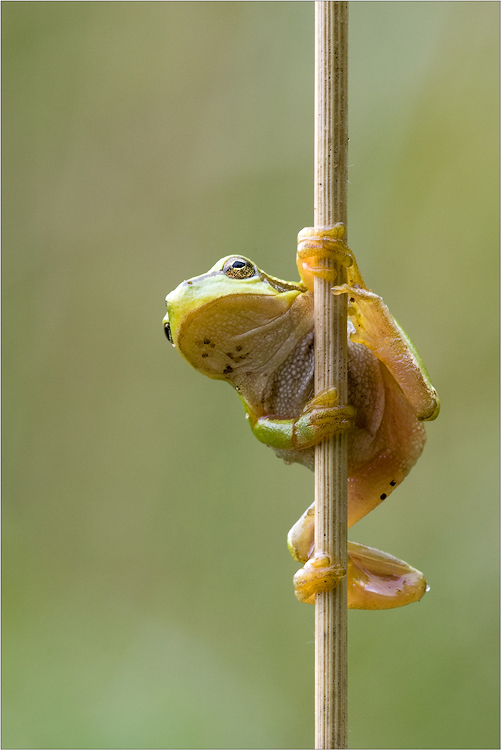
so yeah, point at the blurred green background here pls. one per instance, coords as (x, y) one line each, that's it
(147, 584)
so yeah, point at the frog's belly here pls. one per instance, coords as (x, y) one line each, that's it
(386, 432)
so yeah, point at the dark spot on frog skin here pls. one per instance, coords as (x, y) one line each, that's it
(229, 354)
(227, 370)
(239, 348)
(352, 299)
(205, 354)
(393, 483)
(383, 496)
(206, 341)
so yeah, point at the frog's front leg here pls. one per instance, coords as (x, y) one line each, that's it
(321, 417)
(376, 328)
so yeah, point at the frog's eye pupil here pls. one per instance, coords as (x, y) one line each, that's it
(239, 268)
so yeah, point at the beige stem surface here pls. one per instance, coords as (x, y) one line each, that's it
(331, 168)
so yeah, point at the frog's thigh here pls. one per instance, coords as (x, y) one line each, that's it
(377, 580)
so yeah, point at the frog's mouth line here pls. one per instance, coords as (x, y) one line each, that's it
(167, 331)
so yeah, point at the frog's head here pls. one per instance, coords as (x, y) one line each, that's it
(234, 318)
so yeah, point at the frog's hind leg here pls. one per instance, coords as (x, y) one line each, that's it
(397, 445)
(369, 485)
(377, 580)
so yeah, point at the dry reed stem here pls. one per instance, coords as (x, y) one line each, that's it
(331, 168)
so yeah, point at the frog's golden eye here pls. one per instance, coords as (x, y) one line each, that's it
(239, 268)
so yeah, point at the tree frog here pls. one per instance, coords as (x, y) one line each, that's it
(238, 324)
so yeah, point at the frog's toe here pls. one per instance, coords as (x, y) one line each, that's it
(325, 243)
(320, 422)
(333, 419)
(318, 249)
(318, 574)
(356, 293)
(326, 399)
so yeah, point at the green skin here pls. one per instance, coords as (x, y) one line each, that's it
(238, 324)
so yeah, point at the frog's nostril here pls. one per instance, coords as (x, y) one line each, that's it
(167, 332)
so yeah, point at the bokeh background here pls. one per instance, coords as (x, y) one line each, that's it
(146, 580)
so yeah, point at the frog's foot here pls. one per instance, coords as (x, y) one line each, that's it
(319, 248)
(321, 418)
(318, 574)
(377, 580)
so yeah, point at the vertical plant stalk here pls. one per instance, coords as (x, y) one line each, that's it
(331, 172)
